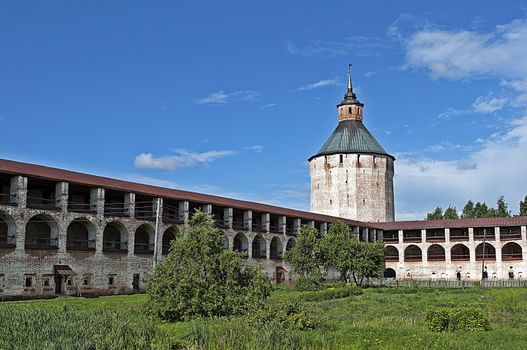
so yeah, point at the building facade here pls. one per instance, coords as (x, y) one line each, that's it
(63, 232)
(352, 175)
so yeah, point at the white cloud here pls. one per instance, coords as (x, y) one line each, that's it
(182, 159)
(488, 104)
(465, 54)
(496, 167)
(257, 148)
(268, 106)
(221, 97)
(319, 84)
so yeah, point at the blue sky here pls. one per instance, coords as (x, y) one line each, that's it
(232, 97)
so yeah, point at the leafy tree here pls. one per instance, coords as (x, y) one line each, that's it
(502, 208)
(450, 213)
(336, 248)
(304, 256)
(481, 210)
(523, 207)
(468, 210)
(367, 261)
(437, 214)
(201, 278)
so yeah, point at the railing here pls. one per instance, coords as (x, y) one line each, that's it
(510, 236)
(460, 257)
(7, 241)
(413, 258)
(390, 239)
(511, 256)
(144, 248)
(276, 256)
(509, 283)
(412, 239)
(116, 209)
(221, 224)
(81, 207)
(42, 203)
(240, 225)
(7, 198)
(438, 257)
(391, 257)
(420, 283)
(276, 228)
(258, 255)
(259, 227)
(290, 231)
(145, 211)
(115, 246)
(435, 238)
(41, 243)
(488, 256)
(459, 238)
(80, 244)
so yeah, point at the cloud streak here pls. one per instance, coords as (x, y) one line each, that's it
(182, 159)
(362, 46)
(221, 97)
(319, 84)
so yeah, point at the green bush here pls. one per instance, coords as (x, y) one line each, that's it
(199, 278)
(469, 318)
(309, 283)
(288, 314)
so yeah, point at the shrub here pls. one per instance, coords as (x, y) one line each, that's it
(199, 278)
(309, 283)
(289, 314)
(469, 318)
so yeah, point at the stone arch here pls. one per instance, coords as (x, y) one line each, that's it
(490, 251)
(169, 235)
(460, 252)
(80, 235)
(391, 253)
(225, 242)
(115, 237)
(7, 231)
(413, 253)
(511, 251)
(144, 239)
(41, 232)
(390, 273)
(240, 243)
(290, 244)
(276, 248)
(258, 247)
(436, 253)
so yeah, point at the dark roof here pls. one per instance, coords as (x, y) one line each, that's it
(351, 136)
(40, 171)
(429, 224)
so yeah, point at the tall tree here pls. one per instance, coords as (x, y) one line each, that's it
(468, 210)
(481, 210)
(523, 207)
(450, 213)
(336, 248)
(367, 261)
(437, 214)
(502, 208)
(304, 256)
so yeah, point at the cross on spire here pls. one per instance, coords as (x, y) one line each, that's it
(350, 87)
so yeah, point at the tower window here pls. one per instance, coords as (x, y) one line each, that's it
(341, 159)
(349, 109)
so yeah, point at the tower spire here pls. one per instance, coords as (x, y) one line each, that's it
(350, 87)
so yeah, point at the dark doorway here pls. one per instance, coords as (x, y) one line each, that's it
(389, 273)
(58, 284)
(511, 275)
(458, 276)
(135, 283)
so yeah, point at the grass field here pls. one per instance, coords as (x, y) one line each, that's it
(377, 319)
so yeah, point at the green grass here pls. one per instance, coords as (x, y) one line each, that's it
(377, 319)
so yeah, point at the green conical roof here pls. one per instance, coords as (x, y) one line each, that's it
(351, 136)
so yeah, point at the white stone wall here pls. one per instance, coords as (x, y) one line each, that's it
(359, 188)
(427, 269)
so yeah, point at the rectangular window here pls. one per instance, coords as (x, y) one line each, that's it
(111, 280)
(69, 281)
(86, 279)
(29, 281)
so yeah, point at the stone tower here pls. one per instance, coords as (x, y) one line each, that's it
(352, 175)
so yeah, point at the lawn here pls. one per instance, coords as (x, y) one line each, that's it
(377, 319)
